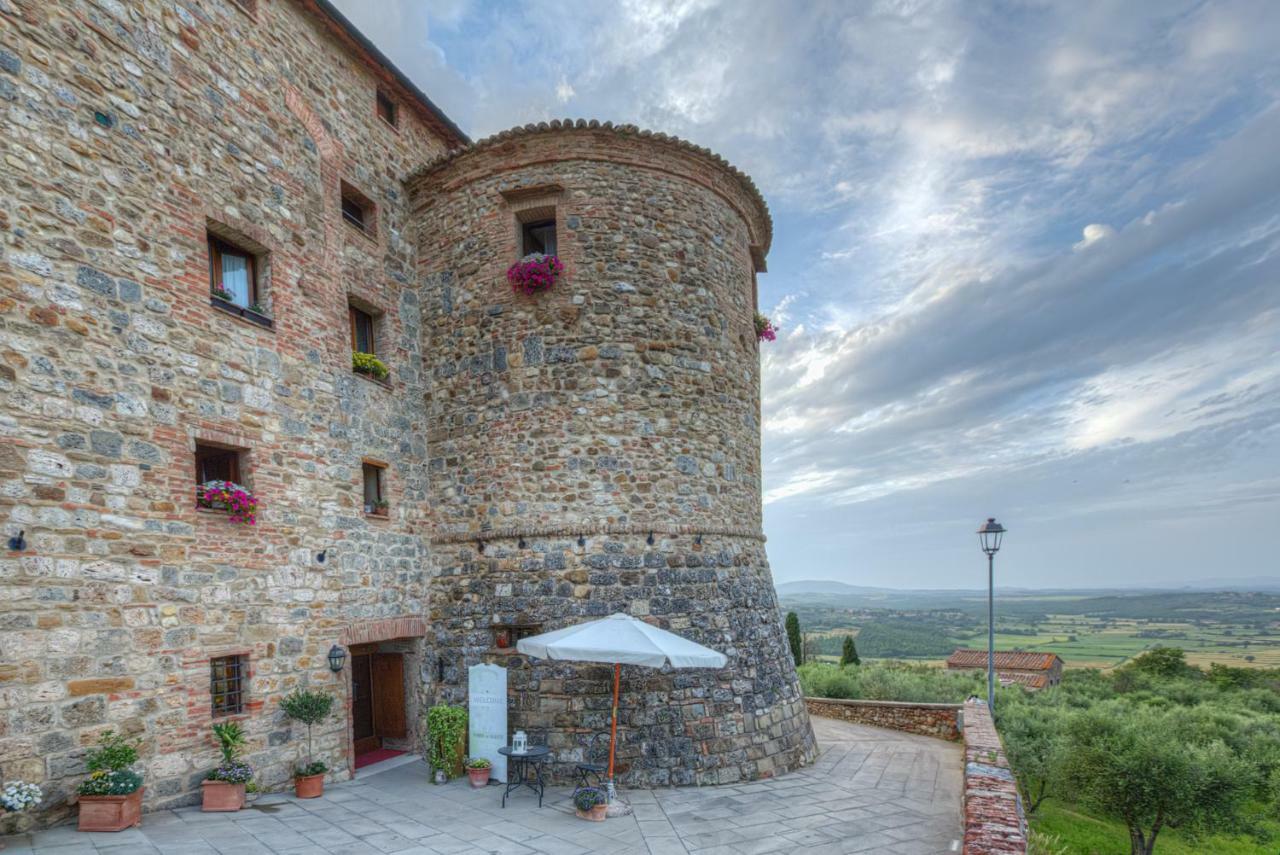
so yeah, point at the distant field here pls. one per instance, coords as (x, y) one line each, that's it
(1232, 629)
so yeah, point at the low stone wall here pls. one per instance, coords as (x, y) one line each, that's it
(938, 720)
(993, 819)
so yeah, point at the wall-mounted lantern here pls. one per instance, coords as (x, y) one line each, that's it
(337, 658)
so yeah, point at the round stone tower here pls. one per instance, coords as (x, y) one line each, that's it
(596, 448)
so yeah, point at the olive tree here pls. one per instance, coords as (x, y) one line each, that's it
(1138, 766)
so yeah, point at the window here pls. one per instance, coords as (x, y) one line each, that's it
(506, 635)
(233, 274)
(386, 108)
(217, 464)
(226, 684)
(363, 339)
(539, 236)
(357, 209)
(375, 498)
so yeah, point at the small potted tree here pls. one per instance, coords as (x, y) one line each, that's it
(478, 771)
(111, 797)
(590, 803)
(224, 788)
(310, 708)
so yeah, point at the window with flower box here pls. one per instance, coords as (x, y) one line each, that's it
(538, 236)
(216, 463)
(237, 275)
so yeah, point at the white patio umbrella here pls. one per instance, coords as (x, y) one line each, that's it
(620, 640)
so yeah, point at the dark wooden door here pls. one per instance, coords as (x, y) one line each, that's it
(362, 704)
(388, 695)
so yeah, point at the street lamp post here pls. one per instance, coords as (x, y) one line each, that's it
(990, 535)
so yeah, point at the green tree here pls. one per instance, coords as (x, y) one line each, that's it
(793, 638)
(1032, 737)
(310, 708)
(1163, 662)
(1135, 765)
(849, 652)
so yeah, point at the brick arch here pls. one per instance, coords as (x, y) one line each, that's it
(383, 630)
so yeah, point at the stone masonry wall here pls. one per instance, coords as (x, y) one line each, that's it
(993, 820)
(595, 449)
(938, 720)
(129, 128)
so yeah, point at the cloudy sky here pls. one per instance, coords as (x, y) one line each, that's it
(1026, 259)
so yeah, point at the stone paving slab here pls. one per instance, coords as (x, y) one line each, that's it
(871, 790)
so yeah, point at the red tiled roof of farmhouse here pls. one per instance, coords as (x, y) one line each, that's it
(1018, 659)
(1031, 681)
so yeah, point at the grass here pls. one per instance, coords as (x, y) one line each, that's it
(1082, 834)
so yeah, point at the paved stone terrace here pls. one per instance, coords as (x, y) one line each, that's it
(872, 790)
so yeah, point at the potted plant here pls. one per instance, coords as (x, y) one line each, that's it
(478, 771)
(379, 507)
(369, 365)
(17, 797)
(231, 497)
(590, 803)
(765, 330)
(111, 797)
(310, 708)
(534, 273)
(446, 731)
(224, 787)
(251, 791)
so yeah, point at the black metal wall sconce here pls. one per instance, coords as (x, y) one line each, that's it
(337, 658)
(18, 543)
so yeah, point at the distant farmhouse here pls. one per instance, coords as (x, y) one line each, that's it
(1033, 670)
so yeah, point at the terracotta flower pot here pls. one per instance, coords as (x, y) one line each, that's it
(111, 813)
(221, 795)
(596, 814)
(479, 777)
(309, 786)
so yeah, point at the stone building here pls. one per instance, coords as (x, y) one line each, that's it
(1021, 667)
(526, 463)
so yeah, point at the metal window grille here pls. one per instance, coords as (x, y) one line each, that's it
(226, 684)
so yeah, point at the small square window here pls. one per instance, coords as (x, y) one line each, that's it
(386, 108)
(357, 209)
(363, 337)
(539, 236)
(227, 677)
(375, 497)
(215, 463)
(233, 274)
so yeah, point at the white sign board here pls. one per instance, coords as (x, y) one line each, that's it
(487, 715)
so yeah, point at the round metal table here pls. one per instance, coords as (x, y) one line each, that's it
(526, 770)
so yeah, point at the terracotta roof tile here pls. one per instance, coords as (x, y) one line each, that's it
(1013, 659)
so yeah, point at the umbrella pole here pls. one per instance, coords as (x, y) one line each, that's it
(617, 807)
(613, 728)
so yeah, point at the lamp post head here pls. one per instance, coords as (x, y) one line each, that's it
(337, 656)
(990, 535)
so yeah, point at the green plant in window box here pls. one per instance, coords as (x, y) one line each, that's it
(224, 295)
(257, 308)
(380, 507)
(367, 363)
